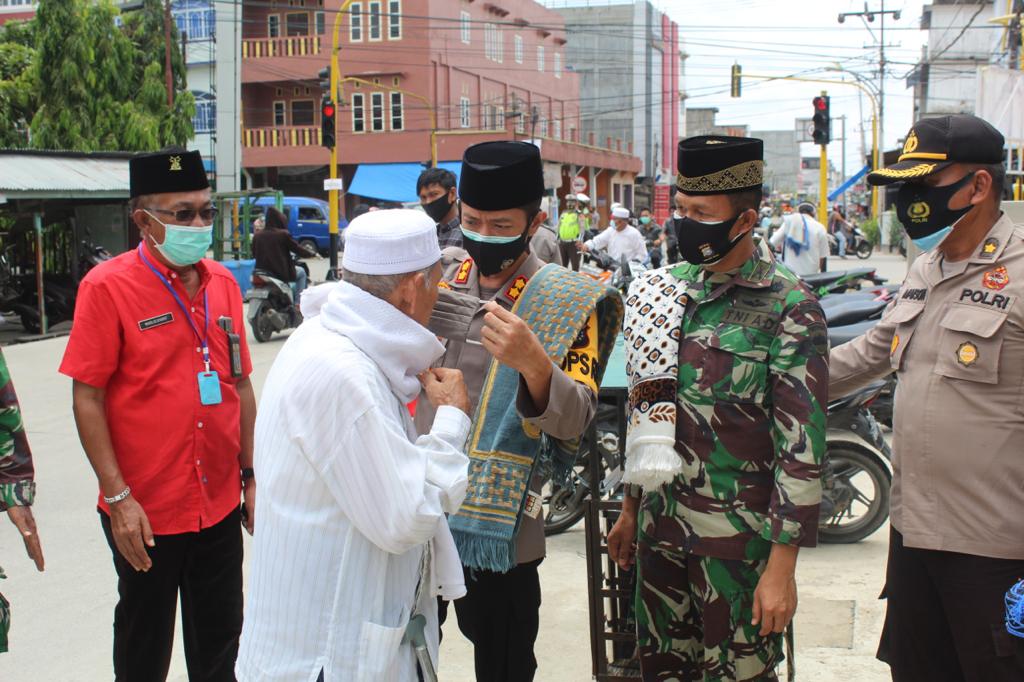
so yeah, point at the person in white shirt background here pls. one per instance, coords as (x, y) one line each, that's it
(803, 242)
(353, 539)
(622, 240)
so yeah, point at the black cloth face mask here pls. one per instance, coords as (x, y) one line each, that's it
(492, 257)
(705, 243)
(438, 208)
(924, 210)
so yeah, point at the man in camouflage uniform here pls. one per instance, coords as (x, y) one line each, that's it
(731, 490)
(17, 489)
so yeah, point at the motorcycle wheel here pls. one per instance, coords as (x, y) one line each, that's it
(31, 323)
(310, 245)
(565, 506)
(864, 250)
(262, 329)
(855, 515)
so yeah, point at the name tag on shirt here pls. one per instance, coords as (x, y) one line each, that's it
(158, 321)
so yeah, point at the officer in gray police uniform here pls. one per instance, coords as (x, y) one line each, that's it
(955, 338)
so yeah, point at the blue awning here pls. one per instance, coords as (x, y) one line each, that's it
(393, 181)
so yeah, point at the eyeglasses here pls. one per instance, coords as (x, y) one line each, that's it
(185, 216)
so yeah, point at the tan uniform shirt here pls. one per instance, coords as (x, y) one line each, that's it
(955, 335)
(570, 407)
(544, 245)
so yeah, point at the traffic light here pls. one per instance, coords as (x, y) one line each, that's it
(822, 121)
(325, 79)
(327, 114)
(737, 73)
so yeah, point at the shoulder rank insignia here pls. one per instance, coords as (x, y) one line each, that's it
(996, 279)
(462, 276)
(988, 250)
(515, 290)
(895, 344)
(443, 285)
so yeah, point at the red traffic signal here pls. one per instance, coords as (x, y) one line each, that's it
(327, 125)
(821, 103)
(328, 109)
(821, 121)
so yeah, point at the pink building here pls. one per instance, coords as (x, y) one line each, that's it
(468, 70)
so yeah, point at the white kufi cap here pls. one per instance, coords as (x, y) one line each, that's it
(391, 242)
(582, 198)
(620, 212)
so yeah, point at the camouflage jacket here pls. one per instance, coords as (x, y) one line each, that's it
(753, 383)
(16, 471)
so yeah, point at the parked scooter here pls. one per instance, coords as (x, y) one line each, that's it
(839, 281)
(271, 306)
(90, 255)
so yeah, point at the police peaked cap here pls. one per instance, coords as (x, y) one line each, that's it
(720, 164)
(501, 175)
(166, 172)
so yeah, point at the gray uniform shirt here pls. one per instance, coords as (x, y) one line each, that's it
(571, 405)
(955, 336)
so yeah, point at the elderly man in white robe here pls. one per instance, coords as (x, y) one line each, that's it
(352, 537)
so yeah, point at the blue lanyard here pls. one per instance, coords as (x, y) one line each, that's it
(185, 310)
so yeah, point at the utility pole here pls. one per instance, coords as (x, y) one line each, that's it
(869, 16)
(168, 77)
(845, 207)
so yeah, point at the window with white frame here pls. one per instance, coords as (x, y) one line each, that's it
(556, 65)
(521, 122)
(321, 23)
(273, 26)
(373, 21)
(195, 19)
(205, 119)
(355, 22)
(397, 112)
(540, 57)
(464, 26)
(465, 118)
(501, 118)
(543, 126)
(517, 43)
(394, 19)
(358, 113)
(376, 111)
(557, 123)
(279, 114)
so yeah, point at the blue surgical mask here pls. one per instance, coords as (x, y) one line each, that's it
(183, 244)
(485, 239)
(931, 241)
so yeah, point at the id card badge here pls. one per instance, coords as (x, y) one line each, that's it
(209, 388)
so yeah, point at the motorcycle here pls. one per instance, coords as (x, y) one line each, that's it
(840, 281)
(271, 306)
(89, 256)
(856, 475)
(857, 243)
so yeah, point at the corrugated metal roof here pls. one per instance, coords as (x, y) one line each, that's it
(41, 176)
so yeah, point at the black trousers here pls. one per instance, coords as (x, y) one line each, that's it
(570, 254)
(945, 617)
(206, 569)
(500, 615)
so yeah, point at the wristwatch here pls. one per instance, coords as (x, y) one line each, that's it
(248, 475)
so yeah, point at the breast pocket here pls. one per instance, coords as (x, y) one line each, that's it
(905, 316)
(970, 343)
(735, 373)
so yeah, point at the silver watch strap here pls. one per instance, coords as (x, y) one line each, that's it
(118, 497)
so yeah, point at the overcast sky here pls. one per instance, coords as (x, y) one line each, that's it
(772, 37)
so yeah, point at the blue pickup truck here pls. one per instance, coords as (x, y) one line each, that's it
(307, 220)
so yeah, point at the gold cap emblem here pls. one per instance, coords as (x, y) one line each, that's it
(911, 144)
(175, 163)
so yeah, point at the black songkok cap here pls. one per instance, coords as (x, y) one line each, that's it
(934, 143)
(720, 164)
(166, 172)
(500, 175)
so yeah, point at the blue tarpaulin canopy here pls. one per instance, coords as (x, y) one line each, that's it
(393, 181)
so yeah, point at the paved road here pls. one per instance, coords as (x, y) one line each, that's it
(62, 618)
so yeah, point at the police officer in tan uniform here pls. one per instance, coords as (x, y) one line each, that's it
(500, 190)
(955, 338)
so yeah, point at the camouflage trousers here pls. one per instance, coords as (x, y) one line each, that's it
(693, 620)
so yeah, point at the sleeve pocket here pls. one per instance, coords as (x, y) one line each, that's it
(905, 317)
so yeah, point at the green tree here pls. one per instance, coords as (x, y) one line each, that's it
(17, 89)
(99, 87)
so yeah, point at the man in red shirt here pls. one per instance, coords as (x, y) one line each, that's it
(165, 413)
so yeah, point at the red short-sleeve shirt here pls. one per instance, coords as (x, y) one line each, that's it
(129, 337)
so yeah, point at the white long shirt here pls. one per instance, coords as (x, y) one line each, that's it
(808, 261)
(618, 243)
(347, 498)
